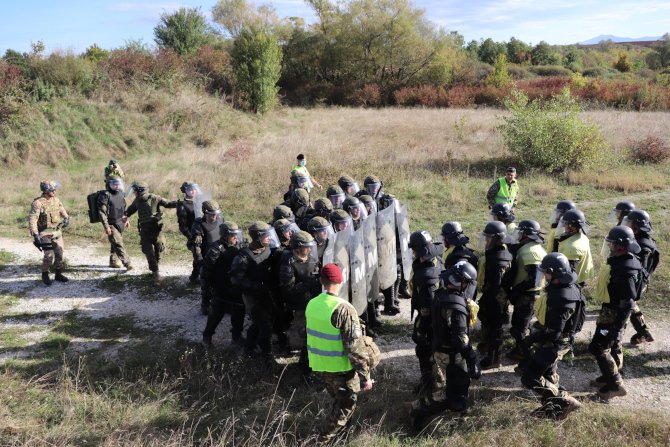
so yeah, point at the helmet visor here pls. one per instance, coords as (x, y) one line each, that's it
(374, 188)
(337, 200)
(358, 212)
(614, 216)
(322, 234)
(192, 190)
(540, 281)
(116, 185)
(342, 225)
(371, 207)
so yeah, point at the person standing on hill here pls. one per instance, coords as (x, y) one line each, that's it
(149, 224)
(300, 169)
(47, 218)
(185, 219)
(504, 190)
(113, 168)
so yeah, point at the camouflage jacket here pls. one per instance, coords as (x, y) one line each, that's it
(147, 206)
(346, 320)
(46, 213)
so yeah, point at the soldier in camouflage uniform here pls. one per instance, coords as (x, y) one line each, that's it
(251, 272)
(185, 219)
(298, 283)
(338, 350)
(322, 232)
(348, 185)
(111, 206)
(336, 196)
(282, 212)
(322, 208)
(114, 169)
(47, 218)
(149, 224)
(216, 286)
(205, 233)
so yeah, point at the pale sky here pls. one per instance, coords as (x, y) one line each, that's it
(76, 24)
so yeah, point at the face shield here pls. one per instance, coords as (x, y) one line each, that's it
(213, 216)
(374, 188)
(308, 252)
(116, 185)
(561, 228)
(233, 237)
(371, 207)
(50, 186)
(132, 190)
(614, 216)
(358, 212)
(513, 238)
(300, 181)
(484, 242)
(289, 230)
(605, 249)
(268, 238)
(352, 189)
(626, 222)
(337, 200)
(323, 234)
(556, 215)
(192, 191)
(342, 224)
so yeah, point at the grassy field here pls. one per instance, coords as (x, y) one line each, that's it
(165, 391)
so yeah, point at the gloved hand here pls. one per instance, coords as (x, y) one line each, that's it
(66, 222)
(37, 242)
(197, 240)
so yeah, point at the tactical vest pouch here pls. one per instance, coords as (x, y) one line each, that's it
(373, 356)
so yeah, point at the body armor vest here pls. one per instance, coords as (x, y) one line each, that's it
(446, 300)
(49, 217)
(116, 205)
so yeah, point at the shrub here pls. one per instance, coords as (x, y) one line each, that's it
(549, 70)
(648, 150)
(518, 72)
(368, 95)
(461, 96)
(595, 72)
(64, 71)
(550, 135)
(214, 68)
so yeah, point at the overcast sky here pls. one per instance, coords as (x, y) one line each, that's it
(76, 24)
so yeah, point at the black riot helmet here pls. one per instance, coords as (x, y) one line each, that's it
(503, 212)
(561, 208)
(620, 211)
(558, 266)
(531, 229)
(495, 229)
(460, 274)
(575, 217)
(640, 219)
(419, 241)
(623, 237)
(452, 234)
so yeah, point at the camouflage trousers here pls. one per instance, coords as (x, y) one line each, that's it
(638, 321)
(53, 257)
(540, 371)
(343, 389)
(153, 244)
(117, 251)
(606, 343)
(449, 388)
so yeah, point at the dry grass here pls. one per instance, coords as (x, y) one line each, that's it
(627, 180)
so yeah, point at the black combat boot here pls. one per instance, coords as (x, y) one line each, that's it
(403, 291)
(60, 277)
(492, 360)
(45, 279)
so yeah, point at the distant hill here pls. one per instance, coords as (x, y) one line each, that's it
(602, 37)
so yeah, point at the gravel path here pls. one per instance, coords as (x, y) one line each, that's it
(647, 368)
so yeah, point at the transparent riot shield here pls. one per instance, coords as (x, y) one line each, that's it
(369, 229)
(386, 247)
(402, 224)
(357, 266)
(341, 258)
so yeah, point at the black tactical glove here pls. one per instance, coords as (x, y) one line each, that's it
(37, 242)
(65, 223)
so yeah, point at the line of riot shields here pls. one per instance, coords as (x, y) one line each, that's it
(369, 256)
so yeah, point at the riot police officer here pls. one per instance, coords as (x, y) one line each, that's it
(455, 360)
(336, 196)
(556, 214)
(205, 233)
(426, 269)
(616, 289)
(492, 280)
(356, 210)
(348, 185)
(185, 219)
(217, 288)
(573, 242)
(251, 272)
(111, 206)
(298, 283)
(322, 231)
(620, 210)
(504, 213)
(563, 318)
(524, 290)
(282, 212)
(456, 245)
(639, 221)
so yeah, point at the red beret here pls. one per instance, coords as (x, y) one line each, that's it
(332, 273)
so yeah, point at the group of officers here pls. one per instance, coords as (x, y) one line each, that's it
(273, 276)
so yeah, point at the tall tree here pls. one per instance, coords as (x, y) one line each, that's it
(184, 31)
(257, 66)
(543, 54)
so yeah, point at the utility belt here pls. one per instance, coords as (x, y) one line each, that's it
(154, 224)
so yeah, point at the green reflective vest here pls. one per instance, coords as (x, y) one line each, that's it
(506, 193)
(302, 170)
(531, 253)
(325, 349)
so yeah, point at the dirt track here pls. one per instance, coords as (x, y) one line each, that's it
(647, 371)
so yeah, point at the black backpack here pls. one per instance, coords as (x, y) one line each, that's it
(92, 199)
